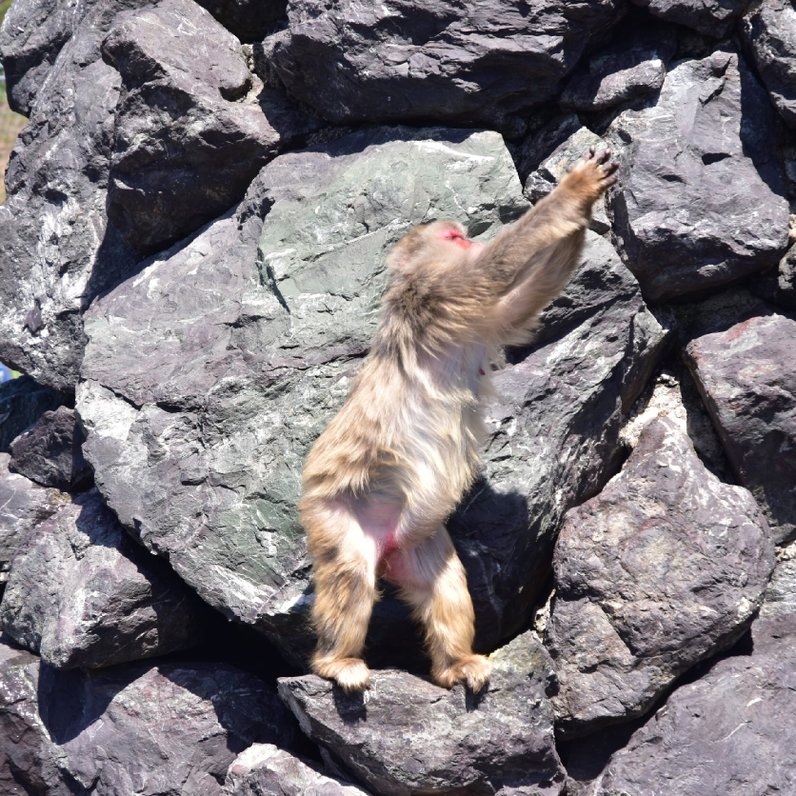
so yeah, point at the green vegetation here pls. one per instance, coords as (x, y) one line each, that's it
(4, 6)
(10, 122)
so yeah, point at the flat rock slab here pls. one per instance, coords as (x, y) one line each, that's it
(83, 594)
(264, 769)
(747, 377)
(691, 167)
(711, 17)
(406, 735)
(433, 62)
(665, 567)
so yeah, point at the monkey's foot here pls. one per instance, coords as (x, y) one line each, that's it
(472, 670)
(592, 175)
(351, 674)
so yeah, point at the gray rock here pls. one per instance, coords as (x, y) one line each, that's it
(769, 34)
(187, 92)
(50, 454)
(484, 63)
(57, 248)
(265, 769)
(779, 286)
(546, 136)
(23, 505)
(22, 403)
(729, 733)
(665, 567)
(29, 760)
(82, 594)
(623, 73)
(430, 740)
(249, 20)
(223, 361)
(166, 730)
(747, 376)
(693, 166)
(714, 18)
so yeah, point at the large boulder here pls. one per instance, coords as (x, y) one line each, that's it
(435, 741)
(711, 17)
(747, 376)
(665, 567)
(692, 166)
(22, 403)
(82, 593)
(434, 62)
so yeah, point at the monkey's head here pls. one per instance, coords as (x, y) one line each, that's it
(437, 243)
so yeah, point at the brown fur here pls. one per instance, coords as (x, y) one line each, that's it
(392, 465)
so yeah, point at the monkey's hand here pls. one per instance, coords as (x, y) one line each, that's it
(591, 176)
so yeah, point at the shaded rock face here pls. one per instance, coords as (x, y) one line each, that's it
(665, 532)
(748, 378)
(437, 741)
(192, 255)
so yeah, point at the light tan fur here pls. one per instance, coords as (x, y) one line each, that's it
(392, 465)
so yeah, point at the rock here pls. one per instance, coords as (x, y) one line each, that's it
(170, 730)
(29, 760)
(729, 733)
(22, 403)
(714, 18)
(679, 218)
(264, 768)
(664, 568)
(436, 62)
(747, 376)
(627, 71)
(541, 141)
(769, 34)
(57, 248)
(542, 181)
(435, 741)
(81, 593)
(249, 20)
(186, 91)
(50, 454)
(779, 286)
(224, 364)
(32, 34)
(23, 505)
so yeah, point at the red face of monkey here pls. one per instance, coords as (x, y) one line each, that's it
(456, 236)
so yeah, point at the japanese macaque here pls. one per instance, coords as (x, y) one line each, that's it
(389, 469)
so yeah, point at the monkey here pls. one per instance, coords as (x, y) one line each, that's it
(391, 466)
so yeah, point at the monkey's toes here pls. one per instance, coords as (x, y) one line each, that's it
(473, 671)
(351, 674)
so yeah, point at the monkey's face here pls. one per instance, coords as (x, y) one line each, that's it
(441, 244)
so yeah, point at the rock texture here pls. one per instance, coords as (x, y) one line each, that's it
(665, 532)
(436, 741)
(748, 377)
(192, 255)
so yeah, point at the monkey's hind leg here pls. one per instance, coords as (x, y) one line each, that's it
(433, 582)
(344, 565)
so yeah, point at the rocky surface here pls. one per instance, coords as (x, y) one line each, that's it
(191, 261)
(665, 532)
(748, 378)
(437, 741)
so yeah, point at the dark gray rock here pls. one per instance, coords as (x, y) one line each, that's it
(81, 593)
(168, 730)
(29, 760)
(747, 376)
(484, 63)
(692, 166)
(188, 93)
(22, 403)
(665, 567)
(249, 20)
(779, 286)
(714, 18)
(729, 733)
(31, 36)
(769, 34)
(50, 453)
(430, 740)
(627, 71)
(265, 769)
(541, 141)
(23, 505)
(57, 248)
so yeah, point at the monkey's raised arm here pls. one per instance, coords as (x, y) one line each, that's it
(531, 261)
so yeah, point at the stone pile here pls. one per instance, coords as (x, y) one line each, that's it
(191, 262)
